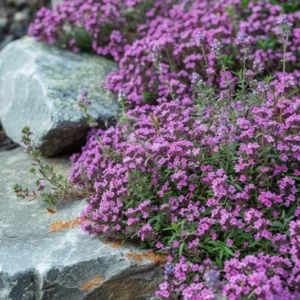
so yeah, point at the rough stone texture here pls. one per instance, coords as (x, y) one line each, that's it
(39, 264)
(39, 87)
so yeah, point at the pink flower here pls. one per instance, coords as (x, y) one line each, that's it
(229, 242)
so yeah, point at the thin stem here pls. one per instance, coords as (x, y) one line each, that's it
(171, 61)
(167, 83)
(284, 60)
(224, 70)
(204, 55)
(285, 41)
(244, 71)
(225, 74)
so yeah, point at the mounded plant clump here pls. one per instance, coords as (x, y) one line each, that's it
(185, 30)
(210, 175)
(215, 185)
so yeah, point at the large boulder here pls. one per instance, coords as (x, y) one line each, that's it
(39, 87)
(48, 257)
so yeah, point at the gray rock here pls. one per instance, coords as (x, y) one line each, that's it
(20, 3)
(3, 22)
(18, 29)
(55, 2)
(39, 87)
(39, 264)
(21, 16)
(8, 38)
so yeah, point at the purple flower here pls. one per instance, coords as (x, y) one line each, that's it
(216, 48)
(195, 78)
(41, 185)
(168, 268)
(229, 242)
(156, 51)
(121, 96)
(200, 37)
(212, 277)
(244, 39)
(84, 93)
(283, 21)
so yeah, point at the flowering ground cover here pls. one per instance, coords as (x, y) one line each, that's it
(127, 30)
(210, 174)
(216, 186)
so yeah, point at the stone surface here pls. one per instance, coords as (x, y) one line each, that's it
(39, 264)
(39, 87)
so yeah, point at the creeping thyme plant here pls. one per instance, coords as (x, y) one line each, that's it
(127, 30)
(215, 185)
(210, 174)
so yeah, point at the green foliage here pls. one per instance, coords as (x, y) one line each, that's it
(60, 188)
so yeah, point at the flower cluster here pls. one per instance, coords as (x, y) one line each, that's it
(104, 26)
(186, 37)
(211, 178)
(185, 32)
(211, 185)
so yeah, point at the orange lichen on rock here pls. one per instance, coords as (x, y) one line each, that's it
(138, 257)
(60, 225)
(116, 244)
(74, 223)
(91, 284)
(51, 211)
(156, 258)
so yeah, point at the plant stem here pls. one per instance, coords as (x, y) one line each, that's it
(284, 60)
(167, 83)
(204, 55)
(285, 41)
(244, 71)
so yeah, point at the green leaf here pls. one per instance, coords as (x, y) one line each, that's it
(180, 250)
(252, 245)
(157, 226)
(221, 254)
(277, 224)
(238, 187)
(250, 295)
(295, 177)
(228, 251)
(215, 243)
(32, 170)
(219, 262)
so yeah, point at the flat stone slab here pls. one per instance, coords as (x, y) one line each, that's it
(39, 87)
(47, 256)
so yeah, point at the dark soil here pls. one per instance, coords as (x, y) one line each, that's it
(5, 142)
